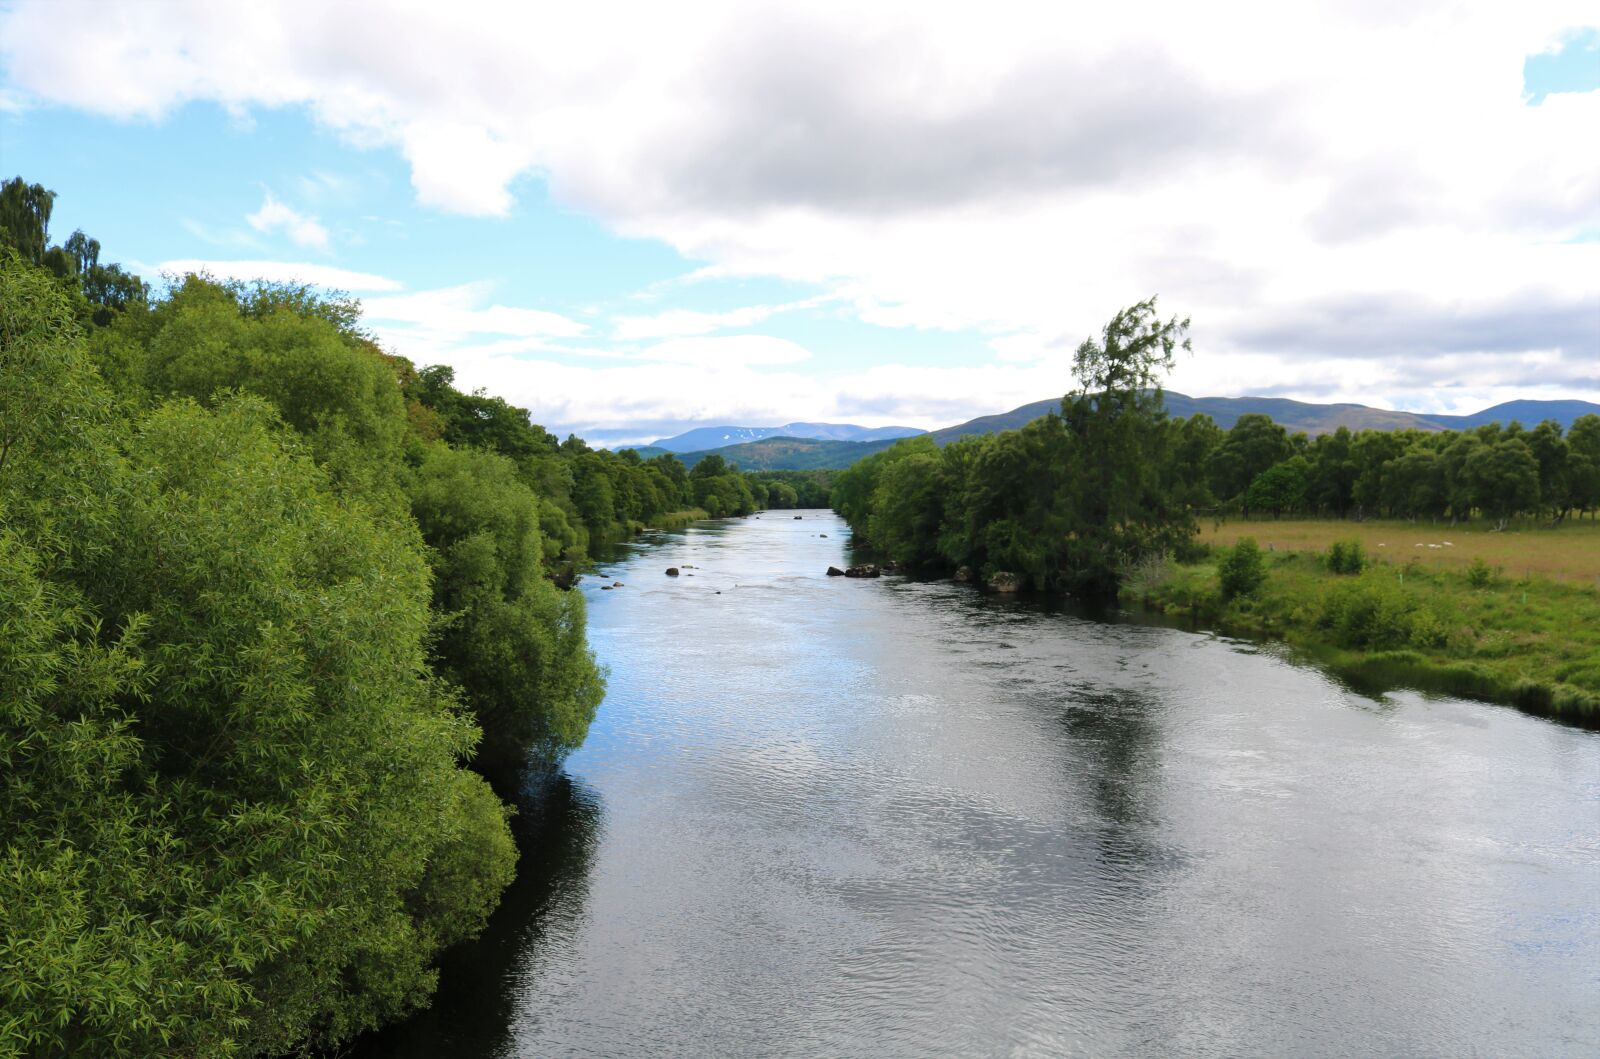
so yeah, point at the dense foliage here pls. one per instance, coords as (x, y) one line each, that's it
(274, 604)
(1077, 498)
(1065, 503)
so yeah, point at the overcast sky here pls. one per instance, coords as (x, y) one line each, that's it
(635, 219)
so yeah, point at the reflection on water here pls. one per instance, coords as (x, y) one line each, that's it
(820, 816)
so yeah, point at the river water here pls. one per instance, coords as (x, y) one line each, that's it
(820, 816)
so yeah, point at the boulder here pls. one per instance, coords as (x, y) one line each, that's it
(616, 584)
(864, 570)
(963, 574)
(672, 571)
(797, 518)
(834, 571)
(822, 534)
(1005, 581)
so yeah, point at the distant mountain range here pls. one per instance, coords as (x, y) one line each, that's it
(828, 446)
(704, 438)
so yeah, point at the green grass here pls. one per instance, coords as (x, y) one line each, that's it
(1569, 553)
(675, 519)
(1531, 642)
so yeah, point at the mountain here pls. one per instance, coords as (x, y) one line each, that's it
(787, 453)
(792, 454)
(705, 439)
(1298, 416)
(1527, 413)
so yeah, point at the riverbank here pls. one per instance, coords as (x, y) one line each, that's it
(1468, 630)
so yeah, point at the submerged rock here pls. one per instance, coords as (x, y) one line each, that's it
(1005, 581)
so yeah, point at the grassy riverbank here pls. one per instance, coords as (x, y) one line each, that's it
(1525, 549)
(672, 520)
(1452, 623)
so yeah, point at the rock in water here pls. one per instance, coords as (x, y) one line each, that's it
(672, 571)
(864, 570)
(1005, 581)
(834, 571)
(962, 574)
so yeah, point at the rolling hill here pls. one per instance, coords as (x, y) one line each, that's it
(784, 453)
(706, 439)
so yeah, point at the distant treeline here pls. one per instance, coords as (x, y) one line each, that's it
(274, 604)
(1074, 499)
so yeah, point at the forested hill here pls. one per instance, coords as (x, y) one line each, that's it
(712, 439)
(1296, 417)
(1301, 417)
(788, 454)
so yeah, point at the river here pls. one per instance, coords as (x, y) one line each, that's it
(837, 817)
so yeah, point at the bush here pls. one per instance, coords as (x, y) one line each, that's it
(1241, 572)
(1378, 617)
(1346, 557)
(1479, 575)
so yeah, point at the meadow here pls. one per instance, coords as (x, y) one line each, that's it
(1569, 553)
(1520, 627)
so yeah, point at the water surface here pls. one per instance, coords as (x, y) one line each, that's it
(820, 816)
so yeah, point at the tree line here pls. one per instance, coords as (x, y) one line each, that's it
(280, 613)
(1076, 498)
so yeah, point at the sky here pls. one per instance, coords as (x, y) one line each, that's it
(636, 219)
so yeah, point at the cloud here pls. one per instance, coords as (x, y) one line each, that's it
(282, 272)
(461, 311)
(1319, 182)
(728, 351)
(301, 229)
(681, 322)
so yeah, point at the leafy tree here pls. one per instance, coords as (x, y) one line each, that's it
(231, 784)
(1280, 488)
(1583, 462)
(510, 639)
(1253, 444)
(25, 218)
(1241, 572)
(1503, 478)
(1118, 508)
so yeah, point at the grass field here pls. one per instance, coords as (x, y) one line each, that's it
(1569, 553)
(1528, 636)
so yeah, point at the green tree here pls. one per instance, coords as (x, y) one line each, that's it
(1252, 444)
(1241, 572)
(1280, 488)
(510, 639)
(234, 817)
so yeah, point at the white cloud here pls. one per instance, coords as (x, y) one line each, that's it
(683, 322)
(1020, 171)
(281, 272)
(301, 229)
(728, 351)
(461, 311)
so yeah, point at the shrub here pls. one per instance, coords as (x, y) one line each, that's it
(1346, 557)
(1377, 617)
(1479, 575)
(1241, 572)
